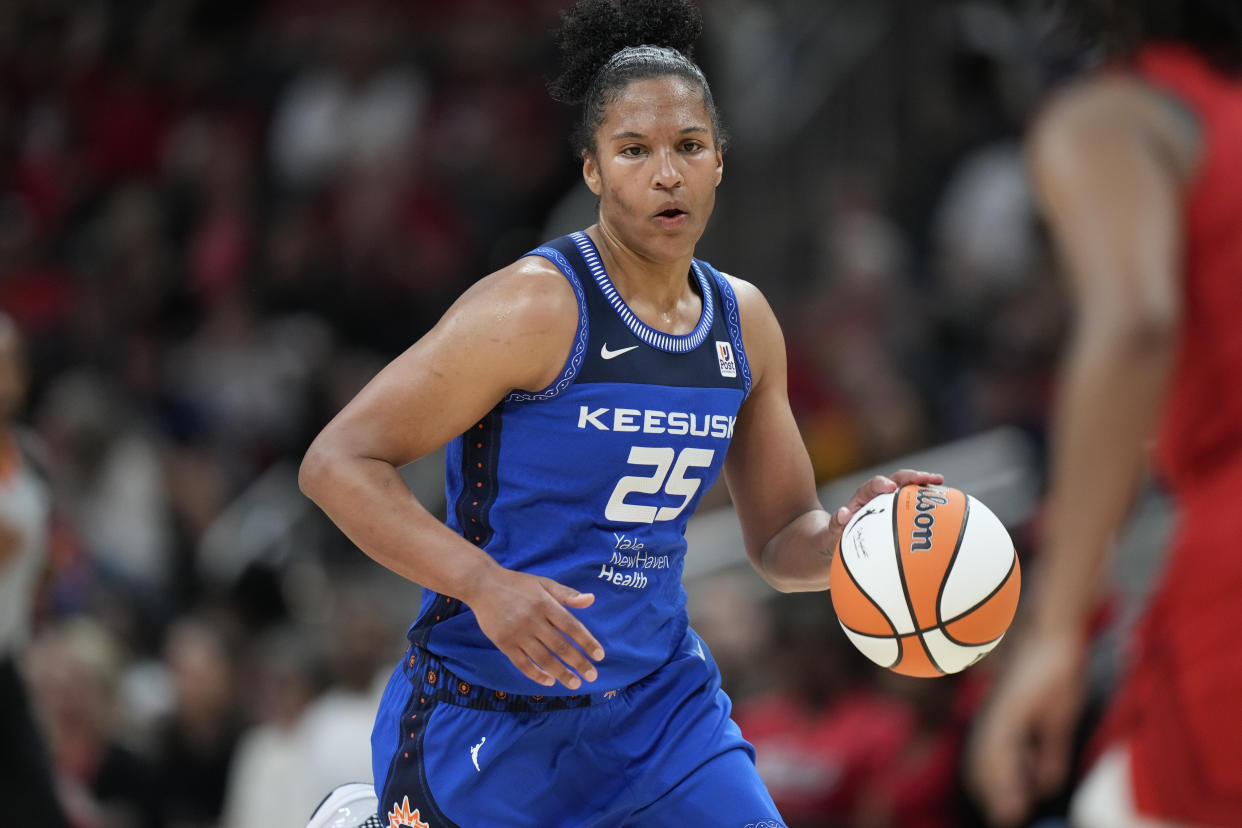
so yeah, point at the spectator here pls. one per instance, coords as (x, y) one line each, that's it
(196, 743)
(25, 514)
(73, 670)
(269, 785)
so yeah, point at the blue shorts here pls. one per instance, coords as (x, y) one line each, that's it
(661, 752)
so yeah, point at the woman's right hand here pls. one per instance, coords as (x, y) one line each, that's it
(527, 617)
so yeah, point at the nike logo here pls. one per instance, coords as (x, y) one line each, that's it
(607, 354)
(474, 753)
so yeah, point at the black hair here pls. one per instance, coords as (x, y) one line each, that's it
(1211, 27)
(607, 44)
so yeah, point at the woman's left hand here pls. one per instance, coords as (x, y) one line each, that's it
(874, 487)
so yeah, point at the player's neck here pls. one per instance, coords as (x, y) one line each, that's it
(658, 291)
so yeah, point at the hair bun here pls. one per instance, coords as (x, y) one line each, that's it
(595, 30)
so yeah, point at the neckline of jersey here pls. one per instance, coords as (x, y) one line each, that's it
(673, 343)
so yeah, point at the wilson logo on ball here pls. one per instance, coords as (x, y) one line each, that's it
(930, 590)
(926, 501)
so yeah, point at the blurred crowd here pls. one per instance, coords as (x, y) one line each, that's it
(218, 218)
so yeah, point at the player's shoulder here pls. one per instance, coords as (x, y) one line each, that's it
(1095, 105)
(1093, 112)
(530, 294)
(752, 305)
(534, 280)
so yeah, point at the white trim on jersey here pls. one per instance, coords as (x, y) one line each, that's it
(672, 343)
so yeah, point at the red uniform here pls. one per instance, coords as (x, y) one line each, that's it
(818, 764)
(1180, 709)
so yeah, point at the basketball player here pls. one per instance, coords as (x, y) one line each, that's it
(1139, 169)
(25, 509)
(589, 393)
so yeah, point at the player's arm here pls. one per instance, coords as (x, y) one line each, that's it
(1107, 161)
(788, 534)
(511, 330)
(1106, 165)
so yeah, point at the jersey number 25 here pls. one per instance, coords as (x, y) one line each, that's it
(674, 483)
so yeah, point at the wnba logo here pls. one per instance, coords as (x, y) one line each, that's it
(925, 503)
(724, 353)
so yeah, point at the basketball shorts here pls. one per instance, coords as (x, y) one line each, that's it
(660, 752)
(1177, 710)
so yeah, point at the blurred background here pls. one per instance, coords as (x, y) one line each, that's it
(219, 218)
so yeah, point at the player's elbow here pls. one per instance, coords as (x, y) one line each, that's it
(315, 471)
(1146, 335)
(812, 580)
(1153, 333)
(1133, 330)
(1147, 320)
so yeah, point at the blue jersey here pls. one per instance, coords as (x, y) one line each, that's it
(591, 481)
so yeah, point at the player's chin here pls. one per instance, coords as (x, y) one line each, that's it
(671, 245)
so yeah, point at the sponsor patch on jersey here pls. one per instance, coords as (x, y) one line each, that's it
(728, 365)
(402, 817)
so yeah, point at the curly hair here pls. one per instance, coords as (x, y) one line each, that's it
(607, 44)
(1211, 27)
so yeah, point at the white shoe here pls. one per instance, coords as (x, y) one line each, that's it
(352, 805)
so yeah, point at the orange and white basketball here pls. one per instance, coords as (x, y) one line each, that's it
(925, 580)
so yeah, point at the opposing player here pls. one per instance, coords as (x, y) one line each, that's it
(1140, 175)
(589, 393)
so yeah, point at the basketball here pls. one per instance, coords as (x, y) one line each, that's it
(925, 580)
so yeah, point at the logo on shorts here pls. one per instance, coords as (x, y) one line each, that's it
(724, 352)
(764, 823)
(402, 817)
